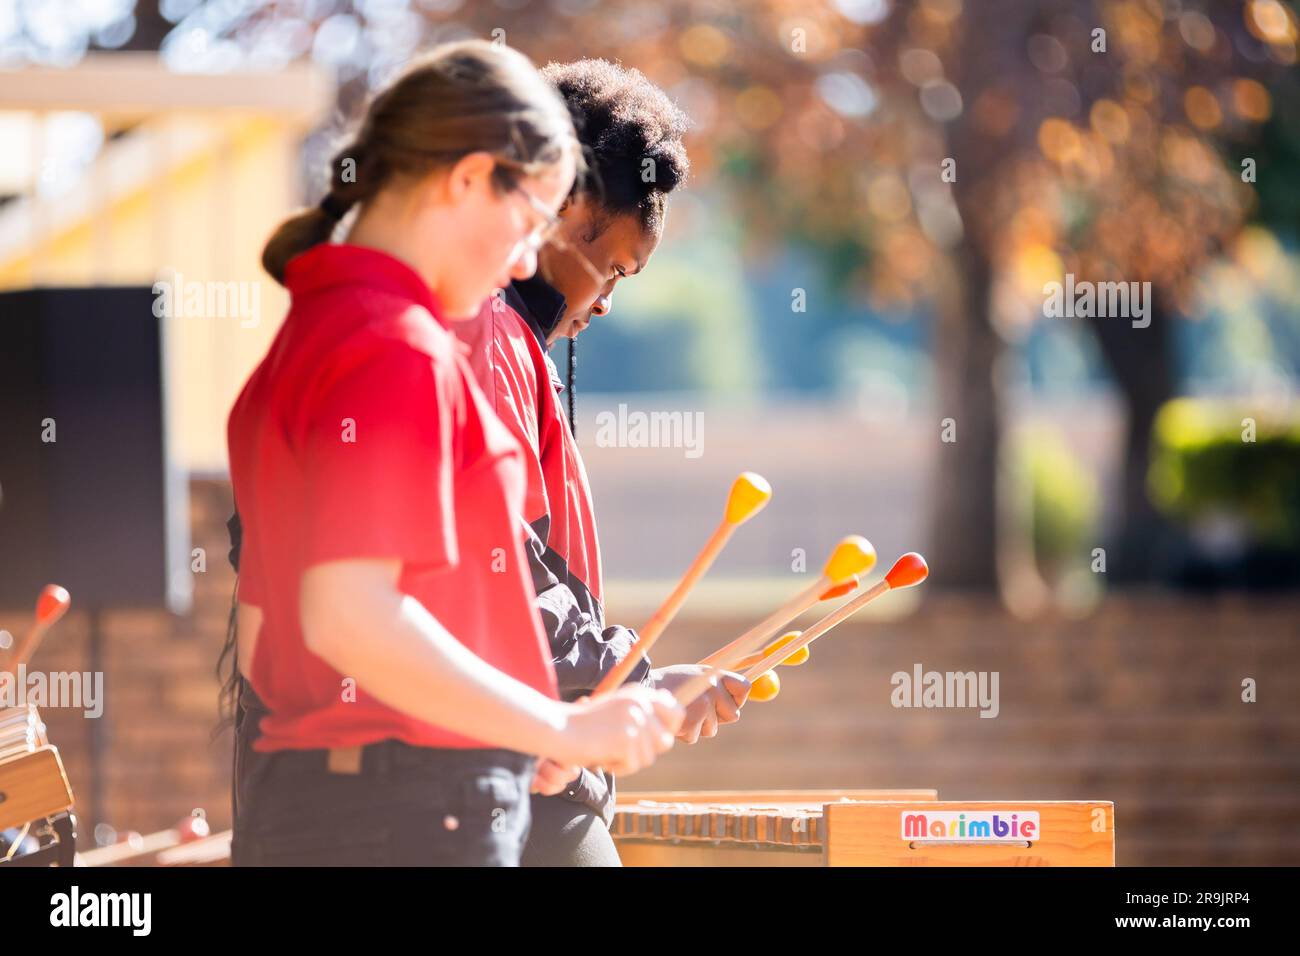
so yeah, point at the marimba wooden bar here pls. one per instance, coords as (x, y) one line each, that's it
(858, 828)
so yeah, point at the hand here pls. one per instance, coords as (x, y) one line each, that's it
(720, 704)
(552, 777)
(620, 732)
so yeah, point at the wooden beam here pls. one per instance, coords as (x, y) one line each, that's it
(127, 86)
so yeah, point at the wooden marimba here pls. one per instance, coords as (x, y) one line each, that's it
(164, 848)
(37, 827)
(858, 828)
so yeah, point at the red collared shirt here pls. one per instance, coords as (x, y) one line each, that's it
(524, 390)
(363, 435)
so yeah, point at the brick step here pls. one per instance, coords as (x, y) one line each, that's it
(990, 772)
(1205, 850)
(946, 730)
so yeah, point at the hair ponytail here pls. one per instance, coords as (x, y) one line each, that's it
(296, 235)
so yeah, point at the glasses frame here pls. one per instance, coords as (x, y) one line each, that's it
(548, 233)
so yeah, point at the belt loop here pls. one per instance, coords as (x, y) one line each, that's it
(346, 760)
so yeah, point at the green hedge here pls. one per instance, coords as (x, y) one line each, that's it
(1203, 465)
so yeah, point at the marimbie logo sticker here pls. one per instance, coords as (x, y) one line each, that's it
(970, 826)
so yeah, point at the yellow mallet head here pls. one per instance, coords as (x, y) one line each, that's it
(853, 555)
(795, 659)
(749, 493)
(765, 687)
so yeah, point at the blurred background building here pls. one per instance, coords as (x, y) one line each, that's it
(849, 299)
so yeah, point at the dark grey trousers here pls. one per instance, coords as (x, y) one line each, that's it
(564, 833)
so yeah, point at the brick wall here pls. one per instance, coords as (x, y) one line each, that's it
(1140, 704)
(160, 755)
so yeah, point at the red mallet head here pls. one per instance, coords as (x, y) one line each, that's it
(52, 604)
(193, 828)
(908, 570)
(840, 590)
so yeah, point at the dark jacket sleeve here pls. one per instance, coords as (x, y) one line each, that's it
(595, 790)
(582, 648)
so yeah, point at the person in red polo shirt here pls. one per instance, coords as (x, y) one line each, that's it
(385, 613)
(609, 232)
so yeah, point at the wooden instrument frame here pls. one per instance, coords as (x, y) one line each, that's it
(845, 828)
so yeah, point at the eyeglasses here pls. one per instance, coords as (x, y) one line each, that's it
(548, 233)
(550, 226)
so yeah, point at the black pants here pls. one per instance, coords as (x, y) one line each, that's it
(408, 806)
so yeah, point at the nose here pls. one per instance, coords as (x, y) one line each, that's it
(524, 265)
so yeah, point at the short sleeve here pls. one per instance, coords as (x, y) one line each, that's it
(515, 400)
(378, 462)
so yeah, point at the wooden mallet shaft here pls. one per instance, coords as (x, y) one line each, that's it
(853, 555)
(907, 571)
(749, 493)
(823, 589)
(846, 588)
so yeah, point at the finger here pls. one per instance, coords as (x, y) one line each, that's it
(737, 687)
(710, 727)
(726, 709)
(656, 743)
(642, 745)
(548, 788)
(663, 738)
(561, 773)
(667, 711)
(645, 745)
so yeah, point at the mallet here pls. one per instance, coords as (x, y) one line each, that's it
(749, 493)
(909, 570)
(852, 556)
(838, 591)
(50, 606)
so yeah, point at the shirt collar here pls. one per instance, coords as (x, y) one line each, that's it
(539, 303)
(338, 264)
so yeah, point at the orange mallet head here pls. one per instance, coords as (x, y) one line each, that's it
(839, 590)
(907, 571)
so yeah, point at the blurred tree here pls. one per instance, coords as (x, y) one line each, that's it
(952, 153)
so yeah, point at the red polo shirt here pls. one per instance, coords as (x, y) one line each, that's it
(363, 435)
(514, 373)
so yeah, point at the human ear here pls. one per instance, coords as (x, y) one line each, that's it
(471, 172)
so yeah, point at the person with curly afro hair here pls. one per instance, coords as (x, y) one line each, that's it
(607, 231)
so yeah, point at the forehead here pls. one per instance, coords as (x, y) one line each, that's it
(626, 235)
